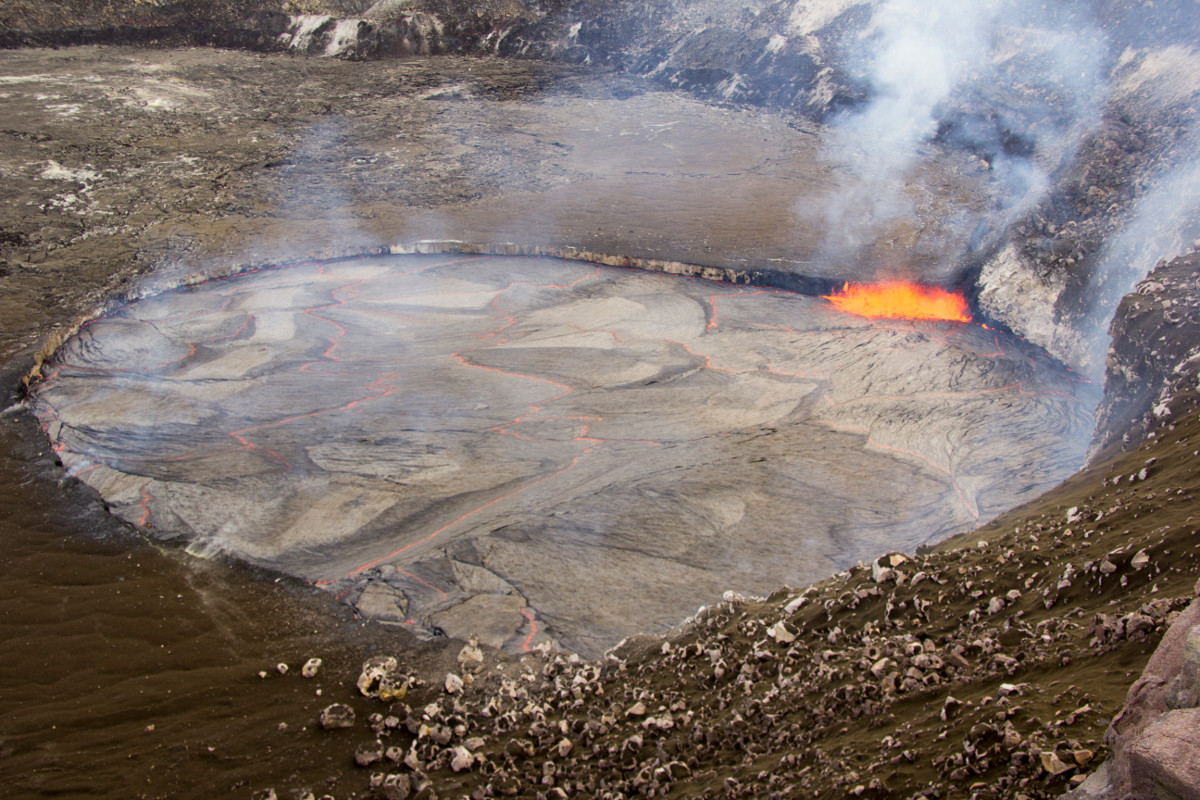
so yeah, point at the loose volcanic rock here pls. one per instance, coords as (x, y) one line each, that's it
(374, 671)
(461, 759)
(369, 754)
(337, 715)
(397, 786)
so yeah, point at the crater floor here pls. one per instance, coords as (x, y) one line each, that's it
(526, 448)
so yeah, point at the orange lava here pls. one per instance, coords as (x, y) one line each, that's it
(900, 300)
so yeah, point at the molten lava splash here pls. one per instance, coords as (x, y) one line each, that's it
(898, 299)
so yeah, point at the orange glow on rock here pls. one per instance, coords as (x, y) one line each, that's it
(900, 300)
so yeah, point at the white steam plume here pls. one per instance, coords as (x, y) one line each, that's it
(1015, 83)
(1166, 224)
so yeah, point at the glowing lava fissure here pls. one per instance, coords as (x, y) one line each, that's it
(900, 300)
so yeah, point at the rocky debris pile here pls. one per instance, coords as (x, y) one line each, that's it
(988, 667)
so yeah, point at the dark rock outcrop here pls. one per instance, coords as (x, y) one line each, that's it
(1154, 354)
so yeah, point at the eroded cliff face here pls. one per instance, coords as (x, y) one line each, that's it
(1126, 199)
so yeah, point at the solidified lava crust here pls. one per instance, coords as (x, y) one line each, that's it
(529, 449)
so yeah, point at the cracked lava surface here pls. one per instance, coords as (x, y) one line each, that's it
(528, 448)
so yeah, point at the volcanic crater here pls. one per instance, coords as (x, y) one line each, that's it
(531, 448)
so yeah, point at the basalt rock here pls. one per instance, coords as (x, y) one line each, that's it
(338, 715)
(1152, 356)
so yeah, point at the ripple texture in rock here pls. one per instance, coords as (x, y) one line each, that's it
(527, 448)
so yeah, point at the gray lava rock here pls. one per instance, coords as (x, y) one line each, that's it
(338, 715)
(373, 671)
(381, 677)
(397, 787)
(369, 754)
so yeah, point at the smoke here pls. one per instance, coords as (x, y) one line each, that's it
(318, 189)
(1165, 224)
(923, 50)
(1157, 90)
(1014, 84)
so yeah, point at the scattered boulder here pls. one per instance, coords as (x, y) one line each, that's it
(781, 633)
(369, 754)
(1053, 764)
(381, 677)
(1139, 561)
(338, 715)
(950, 708)
(461, 759)
(471, 656)
(397, 787)
(374, 670)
